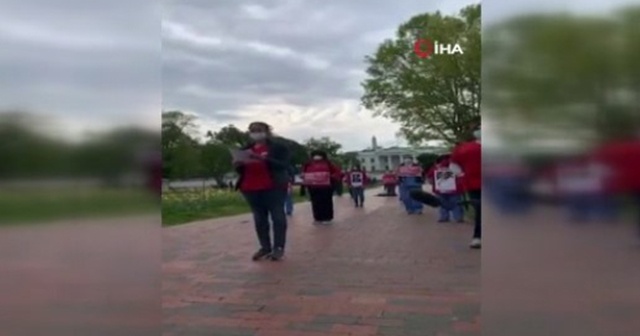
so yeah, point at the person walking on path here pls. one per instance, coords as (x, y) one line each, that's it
(466, 162)
(288, 203)
(447, 187)
(319, 177)
(356, 180)
(410, 179)
(263, 179)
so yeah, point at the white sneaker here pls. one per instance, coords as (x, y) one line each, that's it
(475, 243)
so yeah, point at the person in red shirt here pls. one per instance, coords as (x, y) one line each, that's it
(446, 186)
(466, 162)
(622, 156)
(390, 180)
(356, 180)
(319, 178)
(263, 179)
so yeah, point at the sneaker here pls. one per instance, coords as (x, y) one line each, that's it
(262, 253)
(475, 243)
(277, 254)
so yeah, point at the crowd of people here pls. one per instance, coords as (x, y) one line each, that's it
(266, 180)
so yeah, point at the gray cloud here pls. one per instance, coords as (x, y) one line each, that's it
(221, 57)
(94, 62)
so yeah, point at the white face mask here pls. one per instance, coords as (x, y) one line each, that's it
(317, 157)
(257, 136)
(477, 134)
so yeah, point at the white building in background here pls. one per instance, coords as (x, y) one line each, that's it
(376, 159)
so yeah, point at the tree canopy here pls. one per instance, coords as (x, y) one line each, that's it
(185, 157)
(575, 76)
(437, 98)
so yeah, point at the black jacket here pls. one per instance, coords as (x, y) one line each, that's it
(278, 161)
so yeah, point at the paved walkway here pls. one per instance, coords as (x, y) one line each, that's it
(376, 271)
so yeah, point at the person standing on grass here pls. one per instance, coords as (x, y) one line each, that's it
(466, 163)
(446, 186)
(263, 180)
(409, 180)
(319, 178)
(356, 181)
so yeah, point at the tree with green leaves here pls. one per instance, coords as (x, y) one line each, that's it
(324, 144)
(230, 136)
(181, 155)
(436, 98)
(564, 76)
(427, 159)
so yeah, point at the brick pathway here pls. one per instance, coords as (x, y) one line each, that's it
(376, 271)
(544, 276)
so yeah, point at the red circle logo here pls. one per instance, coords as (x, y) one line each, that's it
(423, 48)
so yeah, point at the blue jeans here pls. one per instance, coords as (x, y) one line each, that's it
(265, 204)
(288, 204)
(412, 206)
(357, 193)
(583, 208)
(451, 206)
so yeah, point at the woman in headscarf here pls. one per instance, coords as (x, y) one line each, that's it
(319, 177)
(263, 180)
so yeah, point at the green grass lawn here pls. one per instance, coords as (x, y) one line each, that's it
(184, 206)
(28, 206)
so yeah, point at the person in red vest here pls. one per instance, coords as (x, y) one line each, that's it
(263, 179)
(319, 178)
(390, 180)
(466, 162)
(622, 155)
(447, 187)
(356, 180)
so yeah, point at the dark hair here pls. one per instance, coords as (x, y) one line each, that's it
(318, 152)
(263, 124)
(443, 157)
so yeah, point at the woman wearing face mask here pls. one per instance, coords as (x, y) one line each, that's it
(466, 162)
(319, 176)
(263, 181)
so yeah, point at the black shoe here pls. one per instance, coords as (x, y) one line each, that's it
(262, 253)
(277, 254)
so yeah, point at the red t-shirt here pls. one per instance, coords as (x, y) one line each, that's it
(389, 178)
(256, 175)
(623, 158)
(468, 156)
(320, 173)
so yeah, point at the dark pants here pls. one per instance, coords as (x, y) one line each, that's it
(357, 193)
(339, 188)
(390, 189)
(265, 204)
(321, 203)
(476, 203)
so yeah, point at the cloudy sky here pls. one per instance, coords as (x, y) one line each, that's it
(87, 64)
(296, 64)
